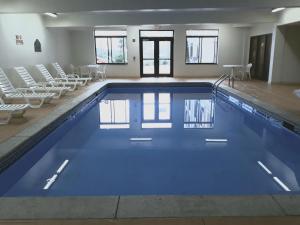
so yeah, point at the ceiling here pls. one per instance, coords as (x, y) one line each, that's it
(93, 19)
(63, 6)
(91, 13)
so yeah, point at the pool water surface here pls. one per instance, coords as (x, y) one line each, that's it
(160, 141)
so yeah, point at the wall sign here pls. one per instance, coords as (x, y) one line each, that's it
(37, 46)
(19, 40)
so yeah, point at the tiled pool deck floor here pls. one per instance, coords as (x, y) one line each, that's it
(121, 209)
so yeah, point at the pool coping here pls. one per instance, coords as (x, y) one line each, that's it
(111, 207)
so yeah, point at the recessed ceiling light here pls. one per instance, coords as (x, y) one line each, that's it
(54, 15)
(278, 9)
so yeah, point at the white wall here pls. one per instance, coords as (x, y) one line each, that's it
(261, 29)
(83, 52)
(231, 51)
(286, 67)
(288, 16)
(291, 55)
(55, 42)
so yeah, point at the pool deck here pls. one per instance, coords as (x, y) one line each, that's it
(277, 99)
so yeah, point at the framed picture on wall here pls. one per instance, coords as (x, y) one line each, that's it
(19, 40)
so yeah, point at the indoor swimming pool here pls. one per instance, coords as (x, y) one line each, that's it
(160, 141)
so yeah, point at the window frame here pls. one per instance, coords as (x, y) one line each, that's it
(200, 37)
(110, 52)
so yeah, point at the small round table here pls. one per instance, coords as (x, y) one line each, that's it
(233, 68)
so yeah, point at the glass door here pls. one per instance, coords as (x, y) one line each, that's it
(148, 57)
(165, 58)
(156, 58)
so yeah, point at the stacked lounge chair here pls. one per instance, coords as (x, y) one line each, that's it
(26, 94)
(56, 81)
(14, 110)
(40, 87)
(34, 94)
(70, 77)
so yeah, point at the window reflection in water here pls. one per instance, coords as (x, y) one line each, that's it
(199, 113)
(164, 106)
(156, 125)
(114, 114)
(149, 106)
(156, 110)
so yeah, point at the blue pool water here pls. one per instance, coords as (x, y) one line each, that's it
(103, 156)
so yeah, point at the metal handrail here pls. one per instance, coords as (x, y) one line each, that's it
(214, 85)
(219, 82)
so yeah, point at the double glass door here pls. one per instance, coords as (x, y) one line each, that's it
(156, 57)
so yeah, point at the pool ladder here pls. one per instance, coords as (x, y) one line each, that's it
(220, 80)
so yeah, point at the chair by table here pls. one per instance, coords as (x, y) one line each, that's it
(246, 71)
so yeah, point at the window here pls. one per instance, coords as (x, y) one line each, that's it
(111, 47)
(202, 46)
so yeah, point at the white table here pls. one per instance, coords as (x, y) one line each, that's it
(89, 69)
(233, 68)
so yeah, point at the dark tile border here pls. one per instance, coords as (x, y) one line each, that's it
(135, 206)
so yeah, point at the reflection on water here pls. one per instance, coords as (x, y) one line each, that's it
(149, 106)
(199, 113)
(156, 110)
(114, 114)
(156, 125)
(164, 106)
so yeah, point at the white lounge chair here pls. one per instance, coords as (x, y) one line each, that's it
(26, 94)
(14, 110)
(40, 87)
(70, 77)
(60, 82)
